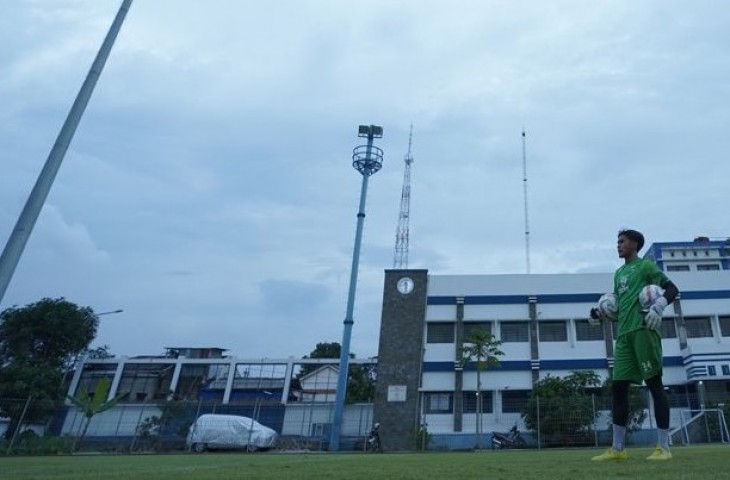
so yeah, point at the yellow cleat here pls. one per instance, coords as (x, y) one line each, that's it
(660, 454)
(611, 454)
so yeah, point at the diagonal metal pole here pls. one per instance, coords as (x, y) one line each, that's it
(28, 217)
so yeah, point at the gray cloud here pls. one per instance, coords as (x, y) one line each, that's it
(209, 191)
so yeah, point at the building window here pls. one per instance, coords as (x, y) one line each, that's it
(146, 381)
(708, 266)
(553, 331)
(585, 332)
(698, 327)
(202, 381)
(92, 374)
(669, 329)
(514, 332)
(471, 328)
(514, 401)
(439, 402)
(671, 254)
(725, 325)
(440, 332)
(678, 268)
(470, 402)
(726, 370)
(711, 371)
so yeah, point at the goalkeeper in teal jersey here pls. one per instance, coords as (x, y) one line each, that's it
(638, 351)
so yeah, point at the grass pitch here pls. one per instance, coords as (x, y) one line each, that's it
(695, 463)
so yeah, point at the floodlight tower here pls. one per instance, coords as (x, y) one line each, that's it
(400, 257)
(366, 159)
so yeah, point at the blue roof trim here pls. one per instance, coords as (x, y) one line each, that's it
(705, 295)
(515, 365)
(710, 244)
(510, 365)
(578, 364)
(557, 298)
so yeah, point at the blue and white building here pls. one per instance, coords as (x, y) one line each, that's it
(542, 321)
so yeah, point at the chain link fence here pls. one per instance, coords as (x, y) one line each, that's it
(26, 427)
(519, 419)
(30, 427)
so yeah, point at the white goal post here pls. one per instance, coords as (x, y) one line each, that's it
(696, 420)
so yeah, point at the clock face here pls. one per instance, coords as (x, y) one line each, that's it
(405, 285)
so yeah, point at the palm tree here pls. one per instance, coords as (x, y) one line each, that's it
(92, 403)
(482, 348)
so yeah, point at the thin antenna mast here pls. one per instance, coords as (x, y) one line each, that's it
(524, 185)
(400, 257)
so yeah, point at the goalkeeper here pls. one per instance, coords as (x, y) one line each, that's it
(638, 351)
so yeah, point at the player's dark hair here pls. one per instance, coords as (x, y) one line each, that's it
(633, 235)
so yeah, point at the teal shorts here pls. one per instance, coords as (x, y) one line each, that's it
(638, 356)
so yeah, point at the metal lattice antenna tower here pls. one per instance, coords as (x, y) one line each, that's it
(524, 185)
(400, 257)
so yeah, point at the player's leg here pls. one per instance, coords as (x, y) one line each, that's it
(648, 346)
(624, 371)
(620, 412)
(661, 414)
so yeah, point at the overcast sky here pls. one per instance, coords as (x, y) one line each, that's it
(209, 190)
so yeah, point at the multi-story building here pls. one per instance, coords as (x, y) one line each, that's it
(542, 322)
(701, 254)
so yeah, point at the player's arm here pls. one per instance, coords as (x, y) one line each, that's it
(653, 317)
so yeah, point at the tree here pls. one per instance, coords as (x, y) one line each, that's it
(562, 409)
(35, 342)
(360, 378)
(322, 350)
(482, 349)
(91, 404)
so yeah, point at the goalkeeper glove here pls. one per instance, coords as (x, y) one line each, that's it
(595, 317)
(653, 318)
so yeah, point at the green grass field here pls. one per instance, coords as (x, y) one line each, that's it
(695, 463)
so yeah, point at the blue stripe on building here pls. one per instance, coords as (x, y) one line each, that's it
(557, 298)
(525, 365)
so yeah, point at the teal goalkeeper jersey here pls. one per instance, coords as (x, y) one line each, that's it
(628, 281)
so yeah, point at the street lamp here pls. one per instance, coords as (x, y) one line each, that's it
(367, 160)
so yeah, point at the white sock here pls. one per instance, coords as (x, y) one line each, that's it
(619, 433)
(663, 438)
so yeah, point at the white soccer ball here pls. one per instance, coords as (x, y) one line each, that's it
(608, 306)
(648, 295)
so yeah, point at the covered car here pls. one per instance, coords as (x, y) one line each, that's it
(213, 431)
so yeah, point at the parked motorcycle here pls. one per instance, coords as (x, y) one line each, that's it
(373, 442)
(511, 439)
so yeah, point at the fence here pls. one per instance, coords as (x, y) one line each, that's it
(582, 420)
(27, 426)
(31, 427)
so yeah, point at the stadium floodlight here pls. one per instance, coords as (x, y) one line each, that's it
(373, 131)
(367, 160)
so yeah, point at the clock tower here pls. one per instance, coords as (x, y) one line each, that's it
(400, 353)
